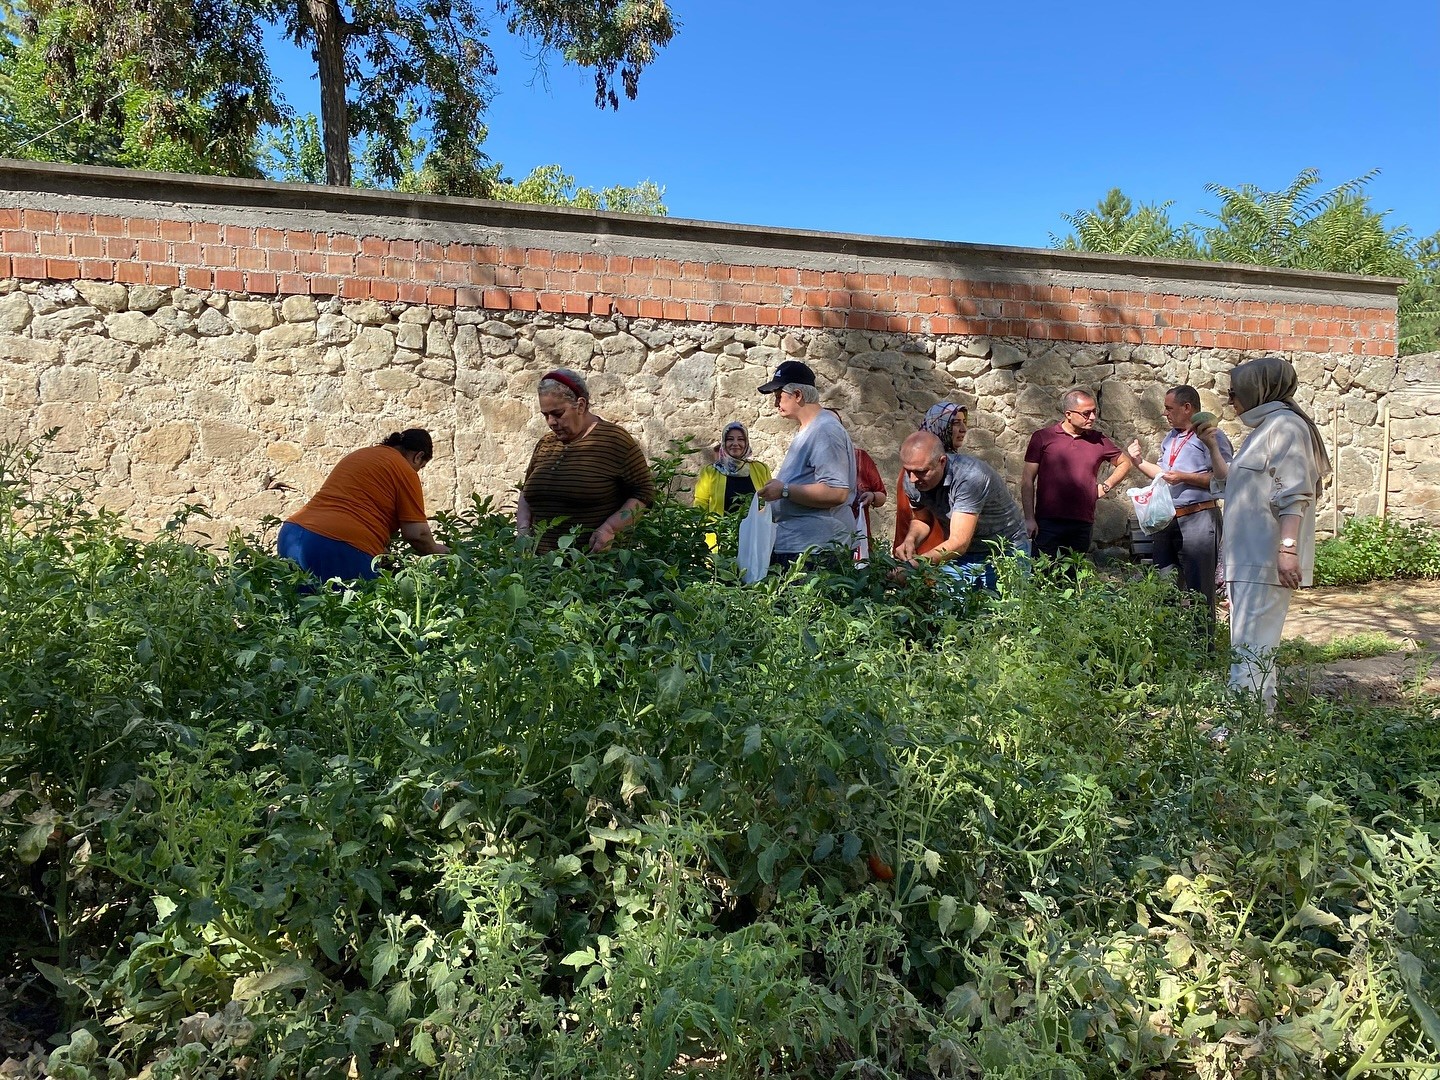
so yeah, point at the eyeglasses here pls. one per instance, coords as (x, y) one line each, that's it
(1082, 412)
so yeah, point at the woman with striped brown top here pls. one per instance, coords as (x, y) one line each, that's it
(586, 472)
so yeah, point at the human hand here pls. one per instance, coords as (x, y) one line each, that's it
(771, 491)
(1032, 527)
(906, 551)
(1134, 451)
(1173, 476)
(1289, 567)
(602, 538)
(865, 499)
(1100, 491)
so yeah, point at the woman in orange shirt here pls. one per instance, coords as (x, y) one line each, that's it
(367, 498)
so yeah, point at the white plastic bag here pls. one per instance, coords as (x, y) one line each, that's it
(757, 540)
(1154, 508)
(861, 542)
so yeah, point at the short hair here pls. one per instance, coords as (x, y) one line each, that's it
(1075, 397)
(923, 442)
(804, 391)
(1185, 395)
(411, 439)
(570, 385)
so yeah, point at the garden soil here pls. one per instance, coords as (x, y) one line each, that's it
(1407, 612)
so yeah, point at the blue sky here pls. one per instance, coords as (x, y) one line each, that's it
(983, 122)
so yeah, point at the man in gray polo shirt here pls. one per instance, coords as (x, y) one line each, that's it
(968, 500)
(809, 497)
(1191, 543)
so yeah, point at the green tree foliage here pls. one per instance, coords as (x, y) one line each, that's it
(1295, 227)
(1116, 226)
(382, 57)
(184, 87)
(552, 185)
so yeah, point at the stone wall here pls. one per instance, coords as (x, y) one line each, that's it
(225, 342)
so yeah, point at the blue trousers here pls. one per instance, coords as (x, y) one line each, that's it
(323, 557)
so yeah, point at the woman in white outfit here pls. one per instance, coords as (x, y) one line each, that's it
(1271, 488)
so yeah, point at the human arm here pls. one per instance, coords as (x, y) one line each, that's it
(961, 533)
(1219, 447)
(524, 517)
(421, 540)
(818, 496)
(1122, 466)
(616, 523)
(1027, 496)
(1288, 558)
(914, 536)
(872, 487)
(1137, 459)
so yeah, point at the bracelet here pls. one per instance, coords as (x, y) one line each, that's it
(1289, 551)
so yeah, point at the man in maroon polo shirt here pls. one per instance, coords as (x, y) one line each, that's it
(1062, 484)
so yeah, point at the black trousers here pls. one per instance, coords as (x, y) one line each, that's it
(1059, 537)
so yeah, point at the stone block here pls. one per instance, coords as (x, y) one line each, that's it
(134, 328)
(69, 384)
(334, 330)
(299, 309)
(166, 445)
(15, 313)
(371, 350)
(824, 347)
(1359, 410)
(147, 298)
(621, 354)
(1050, 368)
(418, 316)
(368, 313)
(691, 379)
(286, 336)
(437, 341)
(565, 349)
(28, 351)
(253, 316)
(213, 323)
(283, 452)
(1004, 355)
(101, 352)
(410, 335)
(226, 440)
(64, 321)
(1376, 373)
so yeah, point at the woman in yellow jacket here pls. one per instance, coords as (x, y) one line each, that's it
(727, 485)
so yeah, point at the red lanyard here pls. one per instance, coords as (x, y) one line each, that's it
(1177, 446)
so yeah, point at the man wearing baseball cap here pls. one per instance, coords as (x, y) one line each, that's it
(810, 494)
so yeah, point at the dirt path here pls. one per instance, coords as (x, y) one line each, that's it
(1407, 612)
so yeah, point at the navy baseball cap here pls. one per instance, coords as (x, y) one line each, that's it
(791, 371)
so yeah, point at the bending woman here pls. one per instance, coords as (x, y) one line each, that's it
(726, 486)
(1271, 488)
(367, 498)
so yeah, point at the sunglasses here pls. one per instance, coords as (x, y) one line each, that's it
(1082, 412)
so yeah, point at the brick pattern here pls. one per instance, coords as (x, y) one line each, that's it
(49, 245)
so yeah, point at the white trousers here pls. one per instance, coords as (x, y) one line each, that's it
(1257, 619)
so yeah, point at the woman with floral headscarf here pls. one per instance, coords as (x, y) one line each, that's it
(948, 422)
(726, 485)
(1271, 487)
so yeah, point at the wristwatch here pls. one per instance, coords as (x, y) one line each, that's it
(784, 491)
(1286, 544)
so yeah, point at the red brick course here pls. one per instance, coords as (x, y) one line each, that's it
(45, 245)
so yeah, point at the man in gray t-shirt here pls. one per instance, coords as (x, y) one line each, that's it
(809, 497)
(966, 499)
